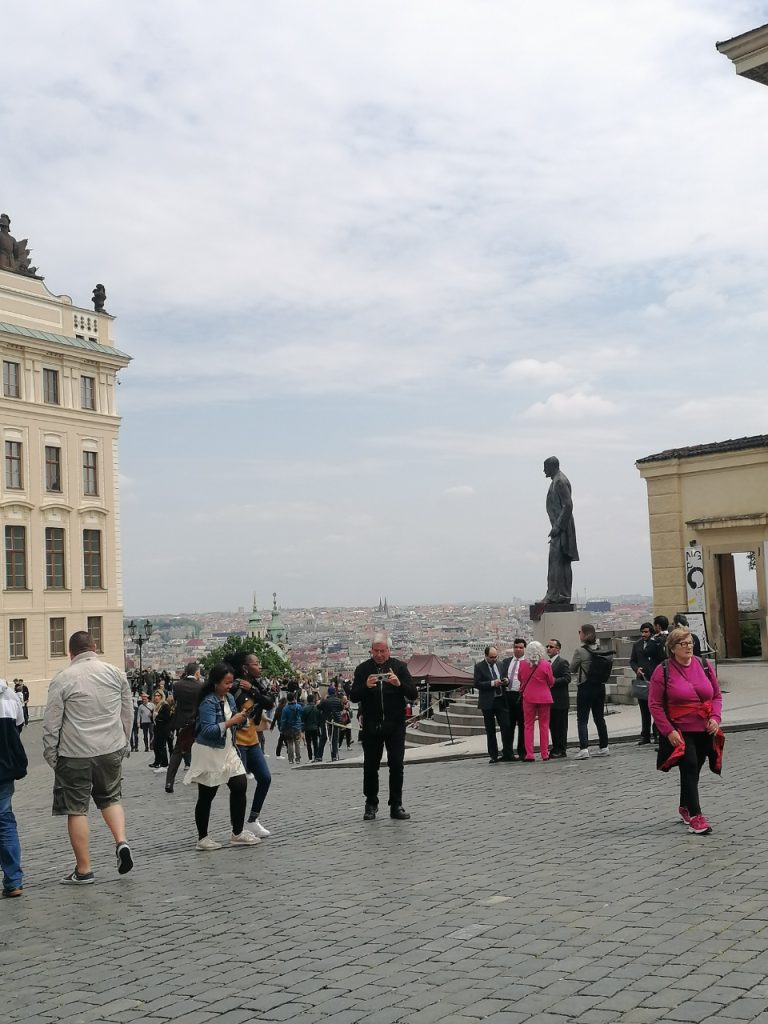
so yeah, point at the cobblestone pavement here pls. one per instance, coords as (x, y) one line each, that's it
(542, 893)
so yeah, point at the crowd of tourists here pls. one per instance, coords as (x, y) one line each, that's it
(218, 725)
(675, 685)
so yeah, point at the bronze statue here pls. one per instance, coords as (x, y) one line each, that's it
(562, 536)
(14, 256)
(99, 298)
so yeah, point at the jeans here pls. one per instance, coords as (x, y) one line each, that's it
(293, 745)
(255, 763)
(590, 697)
(10, 847)
(311, 738)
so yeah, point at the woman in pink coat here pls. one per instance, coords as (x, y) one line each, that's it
(536, 681)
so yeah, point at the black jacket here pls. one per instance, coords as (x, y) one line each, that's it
(330, 708)
(487, 692)
(185, 694)
(561, 670)
(13, 757)
(382, 706)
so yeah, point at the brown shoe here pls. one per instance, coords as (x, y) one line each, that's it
(9, 894)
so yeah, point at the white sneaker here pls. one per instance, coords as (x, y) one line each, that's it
(582, 754)
(259, 829)
(249, 775)
(280, 757)
(245, 838)
(159, 771)
(603, 752)
(206, 843)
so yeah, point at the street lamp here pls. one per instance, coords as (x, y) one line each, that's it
(140, 638)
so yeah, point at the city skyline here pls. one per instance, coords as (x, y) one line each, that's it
(386, 261)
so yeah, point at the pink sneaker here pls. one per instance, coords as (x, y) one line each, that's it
(684, 815)
(699, 825)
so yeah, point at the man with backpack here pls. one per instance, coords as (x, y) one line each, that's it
(591, 667)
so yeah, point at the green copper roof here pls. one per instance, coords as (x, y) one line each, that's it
(62, 339)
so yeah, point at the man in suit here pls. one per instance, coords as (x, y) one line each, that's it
(561, 700)
(510, 668)
(492, 702)
(642, 662)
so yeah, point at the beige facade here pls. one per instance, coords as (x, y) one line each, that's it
(713, 500)
(59, 499)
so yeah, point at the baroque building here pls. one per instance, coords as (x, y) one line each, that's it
(59, 497)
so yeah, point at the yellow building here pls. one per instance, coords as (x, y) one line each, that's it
(706, 503)
(59, 498)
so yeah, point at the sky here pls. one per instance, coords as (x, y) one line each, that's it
(375, 261)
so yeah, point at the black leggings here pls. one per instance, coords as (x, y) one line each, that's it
(238, 786)
(696, 747)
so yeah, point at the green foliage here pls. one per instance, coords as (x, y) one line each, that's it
(272, 665)
(750, 640)
(751, 561)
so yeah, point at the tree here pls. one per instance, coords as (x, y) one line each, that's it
(751, 561)
(272, 664)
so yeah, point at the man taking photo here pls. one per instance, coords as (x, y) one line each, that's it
(382, 686)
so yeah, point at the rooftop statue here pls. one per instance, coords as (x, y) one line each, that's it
(14, 256)
(562, 536)
(99, 298)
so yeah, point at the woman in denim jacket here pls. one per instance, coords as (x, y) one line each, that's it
(215, 759)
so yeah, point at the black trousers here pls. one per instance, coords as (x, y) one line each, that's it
(238, 788)
(590, 697)
(515, 709)
(696, 747)
(373, 749)
(646, 724)
(558, 728)
(498, 713)
(162, 746)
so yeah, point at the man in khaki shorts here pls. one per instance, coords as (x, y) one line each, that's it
(86, 733)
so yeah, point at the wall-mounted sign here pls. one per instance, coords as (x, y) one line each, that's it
(694, 578)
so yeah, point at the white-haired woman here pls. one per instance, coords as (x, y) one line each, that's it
(536, 681)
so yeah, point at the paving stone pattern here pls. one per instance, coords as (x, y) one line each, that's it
(517, 894)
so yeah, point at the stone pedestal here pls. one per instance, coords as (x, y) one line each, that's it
(562, 626)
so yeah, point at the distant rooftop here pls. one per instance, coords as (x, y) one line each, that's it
(737, 444)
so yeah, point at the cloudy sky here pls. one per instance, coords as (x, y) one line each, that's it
(376, 259)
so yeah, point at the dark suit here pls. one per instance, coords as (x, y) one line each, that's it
(492, 702)
(561, 702)
(515, 709)
(644, 657)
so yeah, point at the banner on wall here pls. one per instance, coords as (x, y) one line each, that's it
(694, 578)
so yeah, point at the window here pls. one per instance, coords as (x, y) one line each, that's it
(17, 638)
(16, 558)
(54, 558)
(88, 392)
(11, 383)
(58, 645)
(90, 483)
(92, 559)
(52, 468)
(14, 479)
(93, 625)
(51, 386)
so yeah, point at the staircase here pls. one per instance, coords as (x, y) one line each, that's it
(466, 720)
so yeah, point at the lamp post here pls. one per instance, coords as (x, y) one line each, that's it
(139, 636)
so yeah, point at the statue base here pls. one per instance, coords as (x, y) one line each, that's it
(559, 622)
(535, 611)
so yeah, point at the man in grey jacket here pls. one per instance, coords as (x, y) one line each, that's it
(86, 732)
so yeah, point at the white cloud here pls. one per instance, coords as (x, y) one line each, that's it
(577, 406)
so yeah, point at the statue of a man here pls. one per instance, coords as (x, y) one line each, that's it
(99, 298)
(8, 252)
(562, 536)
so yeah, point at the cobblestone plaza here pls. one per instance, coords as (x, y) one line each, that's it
(517, 894)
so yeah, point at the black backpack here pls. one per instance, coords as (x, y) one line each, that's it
(600, 666)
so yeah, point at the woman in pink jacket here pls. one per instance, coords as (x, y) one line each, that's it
(685, 702)
(536, 681)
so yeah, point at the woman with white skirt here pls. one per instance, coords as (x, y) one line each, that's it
(215, 759)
